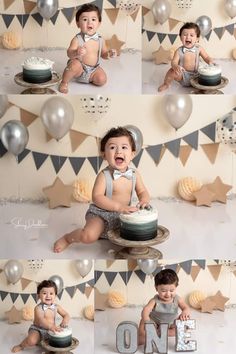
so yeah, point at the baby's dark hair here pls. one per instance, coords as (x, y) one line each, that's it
(190, 25)
(88, 8)
(46, 284)
(115, 133)
(166, 276)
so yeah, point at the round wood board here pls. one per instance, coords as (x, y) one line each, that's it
(48, 347)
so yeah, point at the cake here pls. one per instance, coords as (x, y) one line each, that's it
(37, 70)
(61, 339)
(209, 75)
(140, 225)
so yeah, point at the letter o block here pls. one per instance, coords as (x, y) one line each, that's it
(127, 337)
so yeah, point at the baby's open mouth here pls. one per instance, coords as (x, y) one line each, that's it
(119, 160)
(188, 42)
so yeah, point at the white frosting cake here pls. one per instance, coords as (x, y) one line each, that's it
(209, 70)
(140, 225)
(37, 63)
(60, 339)
(209, 75)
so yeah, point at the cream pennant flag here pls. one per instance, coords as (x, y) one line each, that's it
(88, 290)
(184, 153)
(109, 262)
(194, 272)
(76, 139)
(215, 270)
(172, 23)
(8, 3)
(211, 151)
(112, 14)
(25, 282)
(29, 6)
(134, 15)
(27, 117)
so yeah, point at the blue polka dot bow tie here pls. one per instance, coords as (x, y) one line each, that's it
(48, 307)
(95, 37)
(193, 50)
(127, 174)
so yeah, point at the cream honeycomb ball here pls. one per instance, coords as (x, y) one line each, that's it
(116, 299)
(195, 299)
(11, 40)
(82, 190)
(187, 186)
(89, 312)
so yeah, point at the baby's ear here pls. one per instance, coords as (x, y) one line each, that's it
(133, 155)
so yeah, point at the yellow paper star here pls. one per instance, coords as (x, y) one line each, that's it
(220, 189)
(207, 305)
(219, 301)
(14, 315)
(162, 56)
(114, 43)
(58, 194)
(204, 196)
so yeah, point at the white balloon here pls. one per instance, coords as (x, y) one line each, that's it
(230, 8)
(205, 25)
(47, 8)
(83, 266)
(177, 109)
(161, 10)
(147, 266)
(13, 270)
(3, 105)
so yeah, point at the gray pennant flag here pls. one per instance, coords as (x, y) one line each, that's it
(155, 152)
(38, 18)
(186, 266)
(110, 276)
(58, 162)
(68, 13)
(3, 294)
(35, 297)
(172, 37)
(60, 294)
(97, 275)
(137, 158)
(39, 158)
(81, 287)
(208, 35)
(3, 150)
(150, 35)
(23, 19)
(7, 19)
(22, 155)
(210, 131)
(201, 263)
(126, 276)
(96, 162)
(24, 297)
(219, 31)
(141, 275)
(98, 3)
(113, 2)
(172, 266)
(91, 282)
(13, 296)
(71, 290)
(192, 139)
(143, 30)
(53, 19)
(230, 28)
(217, 261)
(157, 270)
(173, 146)
(161, 37)
(76, 163)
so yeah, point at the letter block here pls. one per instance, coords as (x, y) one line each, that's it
(183, 345)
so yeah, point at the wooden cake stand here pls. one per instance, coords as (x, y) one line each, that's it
(38, 89)
(139, 249)
(210, 90)
(55, 350)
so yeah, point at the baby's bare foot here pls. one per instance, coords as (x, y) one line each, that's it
(61, 244)
(16, 348)
(163, 87)
(63, 87)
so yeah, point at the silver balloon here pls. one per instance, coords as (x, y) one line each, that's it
(226, 129)
(58, 281)
(3, 105)
(13, 270)
(161, 10)
(205, 25)
(177, 109)
(47, 8)
(57, 116)
(147, 266)
(230, 7)
(14, 136)
(137, 136)
(83, 266)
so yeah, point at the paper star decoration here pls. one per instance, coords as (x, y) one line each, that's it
(162, 56)
(219, 301)
(219, 189)
(100, 301)
(59, 194)
(114, 43)
(14, 315)
(204, 196)
(207, 305)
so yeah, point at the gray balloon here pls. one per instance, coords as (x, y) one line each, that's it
(47, 8)
(58, 281)
(57, 116)
(137, 136)
(147, 266)
(3, 105)
(230, 7)
(205, 25)
(161, 10)
(177, 109)
(13, 270)
(83, 266)
(14, 136)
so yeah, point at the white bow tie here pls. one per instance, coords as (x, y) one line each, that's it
(95, 37)
(193, 49)
(48, 307)
(127, 174)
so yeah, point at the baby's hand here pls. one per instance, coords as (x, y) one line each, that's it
(144, 205)
(128, 209)
(185, 315)
(81, 51)
(55, 328)
(112, 53)
(63, 325)
(178, 70)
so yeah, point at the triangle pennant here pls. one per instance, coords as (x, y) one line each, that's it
(161, 37)
(186, 266)
(22, 155)
(112, 2)
(29, 6)
(219, 31)
(112, 14)
(145, 10)
(208, 35)
(172, 37)
(24, 283)
(98, 3)
(96, 162)
(150, 35)
(13, 296)
(172, 23)
(194, 272)
(201, 263)
(76, 163)
(158, 269)
(69, 13)
(3, 294)
(39, 159)
(184, 153)
(141, 275)
(109, 262)
(97, 275)
(7, 3)
(7, 19)
(38, 18)
(172, 266)
(132, 264)
(156, 152)
(230, 28)
(3, 150)
(125, 276)
(215, 270)
(88, 290)
(76, 139)
(27, 117)
(24, 297)
(23, 19)
(60, 294)
(192, 139)
(110, 276)
(81, 287)
(71, 290)
(234, 273)
(173, 146)
(58, 162)
(210, 131)
(137, 158)
(91, 282)
(134, 14)
(53, 19)
(211, 151)
(35, 297)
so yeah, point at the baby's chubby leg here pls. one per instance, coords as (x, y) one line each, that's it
(31, 340)
(170, 76)
(74, 69)
(98, 77)
(91, 232)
